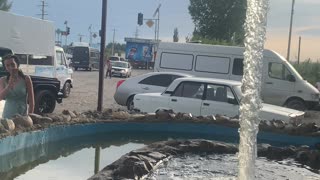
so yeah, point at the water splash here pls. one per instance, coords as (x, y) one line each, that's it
(255, 27)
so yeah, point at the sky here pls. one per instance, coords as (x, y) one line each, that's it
(122, 19)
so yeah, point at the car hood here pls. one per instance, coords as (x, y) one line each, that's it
(119, 68)
(272, 112)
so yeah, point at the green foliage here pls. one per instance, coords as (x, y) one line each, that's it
(219, 20)
(309, 70)
(4, 5)
(118, 49)
(198, 38)
(175, 35)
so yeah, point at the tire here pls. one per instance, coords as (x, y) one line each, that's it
(76, 69)
(66, 89)
(296, 104)
(130, 105)
(45, 102)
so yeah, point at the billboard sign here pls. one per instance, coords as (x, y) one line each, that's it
(139, 51)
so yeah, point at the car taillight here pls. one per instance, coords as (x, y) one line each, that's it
(119, 83)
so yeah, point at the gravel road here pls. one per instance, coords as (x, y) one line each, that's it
(84, 94)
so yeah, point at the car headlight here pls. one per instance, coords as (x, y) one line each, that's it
(315, 96)
(123, 70)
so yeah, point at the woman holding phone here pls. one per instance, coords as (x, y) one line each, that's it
(16, 89)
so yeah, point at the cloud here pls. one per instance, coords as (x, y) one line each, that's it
(311, 1)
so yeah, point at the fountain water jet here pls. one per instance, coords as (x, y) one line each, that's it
(255, 27)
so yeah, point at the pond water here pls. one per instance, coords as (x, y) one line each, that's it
(71, 159)
(74, 158)
(225, 167)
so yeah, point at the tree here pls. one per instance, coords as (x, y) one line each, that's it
(219, 20)
(175, 35)
(4, 5)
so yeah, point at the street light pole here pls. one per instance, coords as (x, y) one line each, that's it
(290, 31)
(102, 48)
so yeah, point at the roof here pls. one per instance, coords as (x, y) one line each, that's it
(173, 73)
(208, 48)
(210, 80)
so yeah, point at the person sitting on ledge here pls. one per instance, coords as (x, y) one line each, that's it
(16, 88)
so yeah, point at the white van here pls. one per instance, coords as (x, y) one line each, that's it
(281, 84)
(33, 41)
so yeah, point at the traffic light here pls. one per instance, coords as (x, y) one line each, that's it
(68, 30)
(140, 19)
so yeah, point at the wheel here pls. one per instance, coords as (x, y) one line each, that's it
(66, 89)
(130, 105)
(296, 104)
(76, 69)
(45, 102)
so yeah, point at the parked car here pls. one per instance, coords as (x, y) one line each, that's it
(146, 83)
(206, 96)
(120, 68)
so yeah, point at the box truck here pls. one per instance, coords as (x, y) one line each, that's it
(33, 41)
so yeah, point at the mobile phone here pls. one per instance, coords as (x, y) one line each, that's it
(14, 73)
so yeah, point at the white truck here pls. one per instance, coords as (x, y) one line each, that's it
(282, 85)
(33, 41)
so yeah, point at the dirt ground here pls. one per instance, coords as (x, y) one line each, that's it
(84, 94)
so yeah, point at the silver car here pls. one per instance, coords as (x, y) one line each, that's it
(146, 83)
(120, 68)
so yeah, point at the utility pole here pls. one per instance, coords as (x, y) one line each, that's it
(90, 35)
(157, 24)
(136, 34)
(80, 37)
(102, 49)
(43, 12)
(299, 48)
(290, 31)
(112, 50)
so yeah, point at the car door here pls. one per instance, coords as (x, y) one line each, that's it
(156, 83)
(187, 98)
(219, 99)
(62, 72)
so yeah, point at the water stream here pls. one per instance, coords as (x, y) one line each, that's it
(255, 28)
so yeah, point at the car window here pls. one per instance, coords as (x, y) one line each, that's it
(189, 90)
(163, 80)
(220, 93)
(278, 71)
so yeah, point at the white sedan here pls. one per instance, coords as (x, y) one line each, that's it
(206, 96)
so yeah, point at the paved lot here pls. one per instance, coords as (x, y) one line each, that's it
(84, 94)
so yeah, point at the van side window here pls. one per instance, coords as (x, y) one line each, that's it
(237, 66)
(189, 90)
(176, 61)
(212, 64)
(278, 71)
(40, 60)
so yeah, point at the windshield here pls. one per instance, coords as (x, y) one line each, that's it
(80, 54)
(237, 90)
(120, 64)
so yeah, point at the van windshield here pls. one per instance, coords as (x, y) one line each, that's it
(289, 66)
